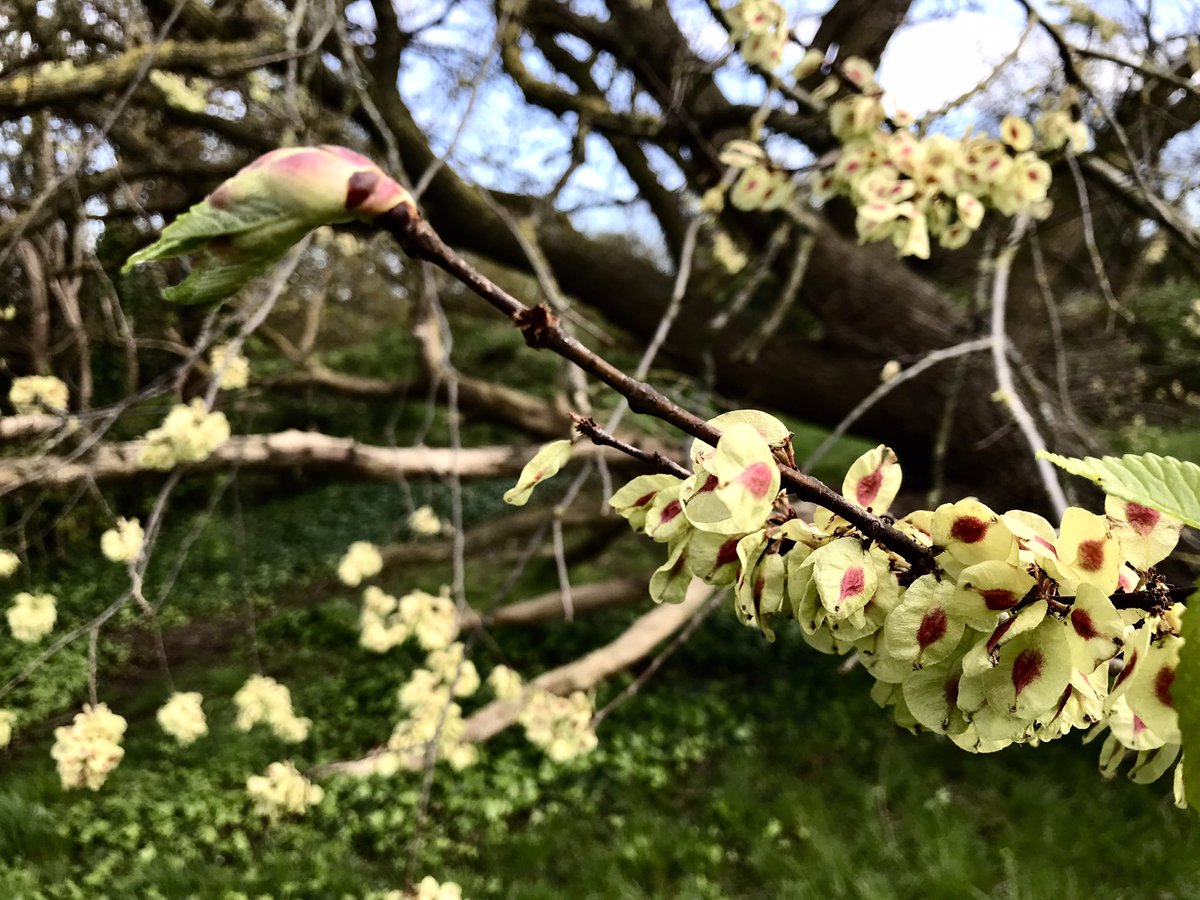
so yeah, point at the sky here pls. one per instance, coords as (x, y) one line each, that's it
(933, 58)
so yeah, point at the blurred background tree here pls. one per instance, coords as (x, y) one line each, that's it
(565, 147)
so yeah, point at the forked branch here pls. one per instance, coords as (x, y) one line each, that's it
(541, 331)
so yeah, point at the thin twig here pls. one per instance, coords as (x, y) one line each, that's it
(587, 426)
(646, 674)
(886, 387)
(541, 331)
(769, 327)
(1008, 391)
(84, 156)
(1056, 333)
(1089, 239)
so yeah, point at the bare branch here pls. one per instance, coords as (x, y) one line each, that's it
(286, 449)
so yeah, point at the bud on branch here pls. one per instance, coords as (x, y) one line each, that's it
(248, 223)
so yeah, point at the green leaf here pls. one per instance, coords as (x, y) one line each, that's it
(1160, 482)
(231, 248)
(248, 223)
(1185, 691)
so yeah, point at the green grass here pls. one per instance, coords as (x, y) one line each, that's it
(744, 769)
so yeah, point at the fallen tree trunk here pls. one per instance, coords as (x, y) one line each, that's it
(584, 598)
(290, 449)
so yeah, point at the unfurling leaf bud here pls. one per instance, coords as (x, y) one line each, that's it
(247, 224)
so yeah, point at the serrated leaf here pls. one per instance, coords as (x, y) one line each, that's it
(1164, 483)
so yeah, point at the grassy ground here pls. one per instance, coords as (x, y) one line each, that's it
(742, 770)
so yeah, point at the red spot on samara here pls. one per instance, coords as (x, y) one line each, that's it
(933, 627)
(1141, 519)
(1026, 668)
(997, 635)
(1162, 686)
(853, 582)
(1091, 555)
(680, 564)
(1138, 725)
(1042, 542)
(868, 487)
(969, 529)
(710, 484)
(950, 691)
(728, 553)
(671, 510)
(997, 599)
(1081, 621)
(757, 479)
(644, 499)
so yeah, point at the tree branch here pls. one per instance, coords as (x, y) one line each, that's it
(541, 331)
(646, 633)
(286, 449)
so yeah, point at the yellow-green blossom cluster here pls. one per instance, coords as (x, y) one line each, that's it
(1011, 640)
(1191, 322)
(451, 667)
(230, 367)
(759, 186)
(264, 700)
(38, 393)
(8, 719)
(909, 189)
(123, 543)
(189, 434)
(759, 28)
(561, 726)
(386, 622)
(283, 791)
(427, 697)
(361, 560)
(727, 254)
(32, 616)
(431, 889)
(505, 683)
(9, 563)
(182, 717)
(424, 521)
(88, 749)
